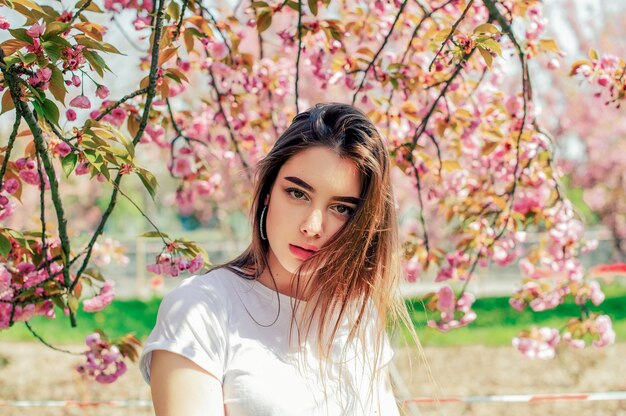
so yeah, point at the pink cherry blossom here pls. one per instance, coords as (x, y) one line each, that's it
(80, 101)
(539, 343)
(63, 149)
(218, 50)
(196, 264)
(102, 300)
(70, 114)
(184, 166)
(36, 30)
(82, 168)
(104, 361)
(10, 185)
(4, 23)
(606, 334)
(102, 91)
(41, 79)
(5, 282)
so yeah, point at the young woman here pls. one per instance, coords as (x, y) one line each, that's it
(296, 324)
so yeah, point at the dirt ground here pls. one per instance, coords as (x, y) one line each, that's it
(30, 371)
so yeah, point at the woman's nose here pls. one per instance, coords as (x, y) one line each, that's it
(312, 224)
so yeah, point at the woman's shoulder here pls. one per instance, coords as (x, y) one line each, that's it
(216, 286)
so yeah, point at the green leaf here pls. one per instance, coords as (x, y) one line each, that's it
(55, 28)
(60, 41)
(94, 44)
(11, 60)
(69, 163)
(259, 5)
(94, 274)
(21, 34)
(51, 111)
(313, 7)
(7, 102)
(293, 5)
(28, 59)
(151, 234)
(493, 45)
(5, 246)
(486, 28)
(57, 85)
(58, 301)
(486, 56)
(174, 10)
(94, 159)
(148, 180)
(52, 50)
(264, 21)
(72, 302)
(96, 62)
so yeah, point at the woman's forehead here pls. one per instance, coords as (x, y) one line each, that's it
(324, 170)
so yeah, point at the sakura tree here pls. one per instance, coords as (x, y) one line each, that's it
(474, 168)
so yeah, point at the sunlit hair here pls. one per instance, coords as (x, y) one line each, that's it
(359, 266)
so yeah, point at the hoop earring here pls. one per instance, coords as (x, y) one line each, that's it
(261, 220)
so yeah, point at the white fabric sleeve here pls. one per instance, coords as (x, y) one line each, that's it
(190, 322)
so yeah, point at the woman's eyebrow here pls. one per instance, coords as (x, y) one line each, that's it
(300, 182)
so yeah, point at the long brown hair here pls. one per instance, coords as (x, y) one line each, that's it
(359, 266)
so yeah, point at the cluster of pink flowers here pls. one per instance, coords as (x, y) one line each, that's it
(455, 261)
(41, 78)
(15, 279)
(453, 312)
(110, 250)
(598, 328)
(104, 363)
(173, 266)
(59, 147)
(4, 23)
(7, 207)
(536, 24)
(538, 342)
(102, 299)
(73, 58)
(27, 170)
(607, 72)
(116, 117)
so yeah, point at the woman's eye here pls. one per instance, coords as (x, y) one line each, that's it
(296, 193)
(344, 210)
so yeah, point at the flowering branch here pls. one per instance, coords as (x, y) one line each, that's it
(380, 49)
(452, 30)
(299, 52)
(120, 102)
(9, 148)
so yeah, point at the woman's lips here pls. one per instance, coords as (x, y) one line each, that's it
(300, 253)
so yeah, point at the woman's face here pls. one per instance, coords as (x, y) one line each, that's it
(314, 195)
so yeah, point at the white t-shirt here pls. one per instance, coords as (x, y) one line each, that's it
(210, 319)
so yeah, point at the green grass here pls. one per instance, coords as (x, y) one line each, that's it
(496, 324)
(119, 318)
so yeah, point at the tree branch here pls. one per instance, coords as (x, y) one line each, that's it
(120, 102)
(82, 9)
(380, 49)
(454, 26)
(228, 126)
(12, 137)
(151, 92)
(299, 52)
(54, 185)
